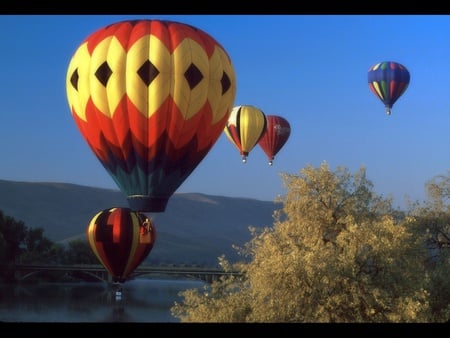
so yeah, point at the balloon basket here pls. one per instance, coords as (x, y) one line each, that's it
(118, 289)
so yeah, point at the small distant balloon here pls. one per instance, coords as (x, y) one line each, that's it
(275, 136)
(245, 127)
(388, 81)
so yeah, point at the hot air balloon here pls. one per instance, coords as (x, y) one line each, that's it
(150, 98)
(245, 127)
(388, 81)
(276, 134)
(121, 239)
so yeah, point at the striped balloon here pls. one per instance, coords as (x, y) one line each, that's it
(388, 81)
(276, 135)
(121, 239)
(150, 98)
(245, 127)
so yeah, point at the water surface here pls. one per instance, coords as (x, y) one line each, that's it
(142, 300)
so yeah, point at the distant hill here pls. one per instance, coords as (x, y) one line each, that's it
(194, 229)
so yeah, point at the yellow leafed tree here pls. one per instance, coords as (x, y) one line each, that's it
(337, 252)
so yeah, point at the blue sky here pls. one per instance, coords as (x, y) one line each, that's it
(310, 69)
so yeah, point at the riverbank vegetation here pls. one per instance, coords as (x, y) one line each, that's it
(20, 244)
(337, 252)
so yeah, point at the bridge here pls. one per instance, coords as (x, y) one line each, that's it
(98, 272)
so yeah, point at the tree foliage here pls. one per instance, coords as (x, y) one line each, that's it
(79, 252)
(22, 245)
(432, 219)
(13, 233)
(337, 252)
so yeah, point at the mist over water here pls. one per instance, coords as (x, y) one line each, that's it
(142, 300)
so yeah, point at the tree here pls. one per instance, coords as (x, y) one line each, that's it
(434, 214)
(337, 252)
(14, 233)
(22, 245)
(3, 248)
(432, 220)
(79, 252)
(38, 248)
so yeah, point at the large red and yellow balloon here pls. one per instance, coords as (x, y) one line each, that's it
(150, 98)
(121, 239)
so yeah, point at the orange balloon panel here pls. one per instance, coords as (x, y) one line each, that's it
(121, 239)
(150, 98)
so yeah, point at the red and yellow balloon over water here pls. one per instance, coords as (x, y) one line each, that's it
(150, 98)
(121, 239)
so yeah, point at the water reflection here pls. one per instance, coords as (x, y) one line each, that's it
(142, 300)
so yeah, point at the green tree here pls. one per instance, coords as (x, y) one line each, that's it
(37, 247)
(337, 252)
(57, 254)
(22, 245)
(3, 248)
(14, 233)
(79, 252)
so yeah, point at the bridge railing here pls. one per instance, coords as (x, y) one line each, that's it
(207, 274)
(96, 267)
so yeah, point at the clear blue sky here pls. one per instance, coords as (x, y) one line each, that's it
(310, 69)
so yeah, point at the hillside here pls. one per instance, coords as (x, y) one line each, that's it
(194, 229)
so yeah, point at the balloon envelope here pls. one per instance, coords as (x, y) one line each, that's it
(275, 136)
(245, 127)
(121, 239)
(150, 98)
(388, 81)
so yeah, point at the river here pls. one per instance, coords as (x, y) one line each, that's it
(141, 300)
